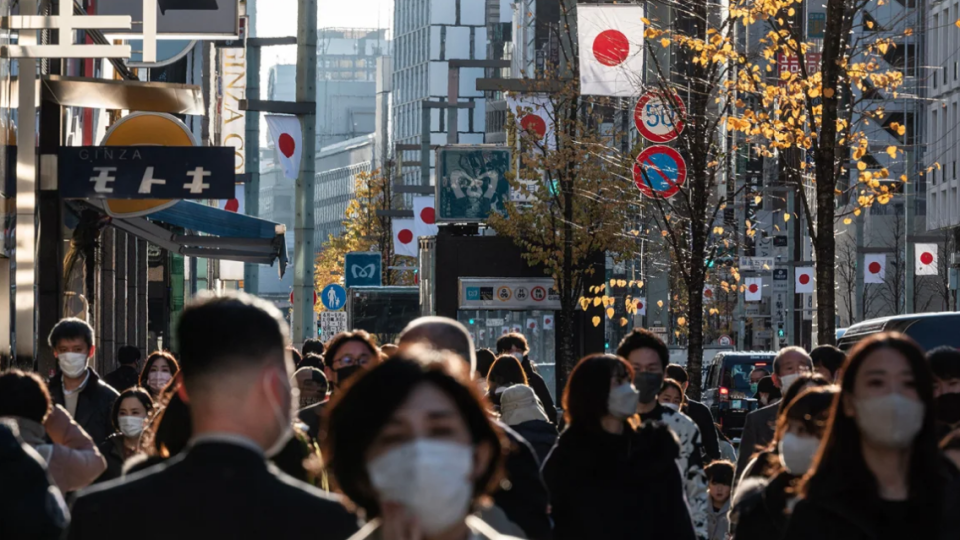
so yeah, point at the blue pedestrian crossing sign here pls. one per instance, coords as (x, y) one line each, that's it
(334, 297)
(362, 269)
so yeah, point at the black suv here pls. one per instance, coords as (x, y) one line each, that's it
(726, 387)
(929, 330)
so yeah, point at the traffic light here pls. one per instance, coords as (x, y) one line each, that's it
(471, 321)
(780, 331)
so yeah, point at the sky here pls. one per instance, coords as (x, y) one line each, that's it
(279, 19)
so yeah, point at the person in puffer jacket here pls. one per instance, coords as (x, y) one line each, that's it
(71, 458)
(521, 410)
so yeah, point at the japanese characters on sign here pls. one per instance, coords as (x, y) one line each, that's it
(146, 172)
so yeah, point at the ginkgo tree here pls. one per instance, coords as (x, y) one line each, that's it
(364, 230)
(568, 213)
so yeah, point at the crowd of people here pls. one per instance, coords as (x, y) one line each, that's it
(239, 435)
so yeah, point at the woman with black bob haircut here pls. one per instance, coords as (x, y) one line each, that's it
(878, 473)
(411, 444)
(607, 477)
(131, 412)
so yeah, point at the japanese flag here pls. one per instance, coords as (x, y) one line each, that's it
(548, 322)
(287, 138)
(926, 259)
(611, 57)
(804, 276)
(708, 293)
(404, 240)
(424, 215)
(753, 289)
(534, 116)
(642, 305)
(874, 268)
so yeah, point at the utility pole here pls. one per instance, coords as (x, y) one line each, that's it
(251, 188)
(303, 318)
(859, 313)
(908, 218)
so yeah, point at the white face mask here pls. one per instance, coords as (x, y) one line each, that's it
(286, 426)
(131, 426)
(72, 364)
(429, 478)
(673, 406)
(158, 379)
(891, 421)
(797, 452)
(518, 355)
(788, 380)
(623, 400)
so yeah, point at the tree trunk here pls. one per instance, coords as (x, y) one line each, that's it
(566, 356)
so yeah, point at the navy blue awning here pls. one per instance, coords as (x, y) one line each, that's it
(222, 235)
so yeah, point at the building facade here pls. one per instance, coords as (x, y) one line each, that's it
(337, 168)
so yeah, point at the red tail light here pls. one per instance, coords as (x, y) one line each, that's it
(724, 392)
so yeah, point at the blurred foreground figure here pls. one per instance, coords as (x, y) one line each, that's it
(236, 374)
(31, 508)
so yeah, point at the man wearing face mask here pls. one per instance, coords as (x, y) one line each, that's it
(945, 364)
(236, 379)
(516, 344)
(649, 356)
(76, 386)
(759, 425)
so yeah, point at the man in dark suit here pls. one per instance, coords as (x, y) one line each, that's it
(758, 427)
(127, 375)
(236, 374)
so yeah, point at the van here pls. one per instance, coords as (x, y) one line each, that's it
(726, 387)
(929, 330)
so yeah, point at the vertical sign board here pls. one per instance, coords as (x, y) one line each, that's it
(233, 88)
(362, 269)
(332, 323)
(472, 182)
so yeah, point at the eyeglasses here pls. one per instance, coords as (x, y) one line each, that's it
(348, 360)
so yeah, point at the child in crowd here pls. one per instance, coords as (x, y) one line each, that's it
(719, 478)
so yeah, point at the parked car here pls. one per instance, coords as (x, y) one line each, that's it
(930, 330)
(726, 387)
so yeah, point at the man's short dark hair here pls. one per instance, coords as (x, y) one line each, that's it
(128, 354)
(485, 360)
(945, 363)
(312, 346)
(219, 334)
(23, 394)
(311, 360)
(641, 338)
(720, 472)
(71, 328)
(829, 357)
(511, 340)
(677, 373)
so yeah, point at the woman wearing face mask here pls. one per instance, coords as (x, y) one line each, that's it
(761, 504)
(411, 444)
(879, 473)
(671, 395)
(767, 392)
(131, 412)
(347, 353)
(607, 477)
(159, 368)
(504, 373)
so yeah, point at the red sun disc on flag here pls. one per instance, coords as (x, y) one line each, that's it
(926, 257)
(754, 288)
(804, 279)
(287, 145)
(611, 47)
(874, 267)
(534, 124)
(232, 205)
(639, 305)
(708, 293)
(533, 325)
(405, 236)
(428, 215)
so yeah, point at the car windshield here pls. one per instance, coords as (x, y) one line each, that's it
(736, 378)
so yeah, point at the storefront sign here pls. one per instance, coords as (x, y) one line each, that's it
(146, 172)
(472, 183)
(233, 89)
(508, 294)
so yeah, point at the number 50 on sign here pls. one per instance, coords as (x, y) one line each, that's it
(657, 119)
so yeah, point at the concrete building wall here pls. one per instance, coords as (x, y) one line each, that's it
(337, 168)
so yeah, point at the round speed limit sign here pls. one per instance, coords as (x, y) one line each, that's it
(656, 119)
